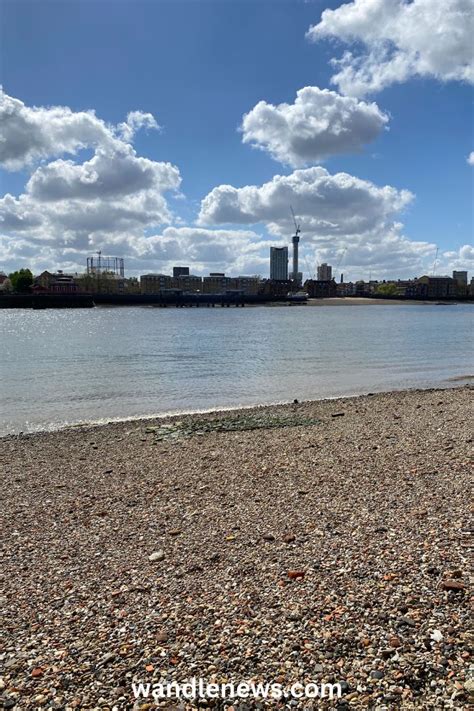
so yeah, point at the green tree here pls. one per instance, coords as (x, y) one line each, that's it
(21, 280)
(389, 289)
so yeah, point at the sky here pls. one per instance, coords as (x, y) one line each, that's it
(180, 132)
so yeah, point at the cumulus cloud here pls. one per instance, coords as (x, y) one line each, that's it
(470, 158)
(326, 204)
(320, 123)
(72, 204)
(232, 251)
(114, 201)
(31, 133)
(424, 38)
(462, 259)
(111, 173)
(136, 120)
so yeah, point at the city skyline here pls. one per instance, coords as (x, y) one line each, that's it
(199, 162)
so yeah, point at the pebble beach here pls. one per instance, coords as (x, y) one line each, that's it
(320, 541)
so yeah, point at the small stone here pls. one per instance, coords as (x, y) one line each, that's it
(395, 641)
(268, 537)
(288, 538)
(156, 556)
(406, 621)
(162, 636)
(377, 674)
(453, 585)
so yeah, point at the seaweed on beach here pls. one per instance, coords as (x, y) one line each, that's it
(234, 423)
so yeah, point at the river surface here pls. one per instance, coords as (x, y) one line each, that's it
(61, 367)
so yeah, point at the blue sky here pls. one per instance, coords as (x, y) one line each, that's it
(197, 67)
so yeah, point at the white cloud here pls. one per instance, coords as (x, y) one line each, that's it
(424, 38)
(29, 134)
(462, 259)
(326, 204)
(470, 158)
(231, 251)
(111, 174)
(319, 124)
(135, 121)
(72, 204)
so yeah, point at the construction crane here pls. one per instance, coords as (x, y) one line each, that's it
(339, 261)
(341, 258)
(311, 272)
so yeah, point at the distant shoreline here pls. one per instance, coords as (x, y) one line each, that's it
(366, 301)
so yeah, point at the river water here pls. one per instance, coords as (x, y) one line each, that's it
(62, 367)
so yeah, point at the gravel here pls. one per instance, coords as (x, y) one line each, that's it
(286, 543)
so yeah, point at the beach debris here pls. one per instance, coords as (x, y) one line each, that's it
(194, 426)
(436, 636)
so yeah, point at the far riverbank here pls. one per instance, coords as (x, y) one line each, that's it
(369, 301)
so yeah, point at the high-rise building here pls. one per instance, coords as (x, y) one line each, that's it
(279, 263)
(324, 272)
(461, 278)
(180, 271)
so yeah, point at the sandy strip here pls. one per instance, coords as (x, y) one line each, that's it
(323, 541)
(365, 301)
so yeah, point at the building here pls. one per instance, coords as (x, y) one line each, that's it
(187, 282)
(275, 287)
(279, 263)
(216, 283)
(460, 278)
(324, 272)
(320, 288)
(461, 283)
(435, 287)
(154, 283)
(57, 283)
(180, 271)
(345, 288)
(247, 284)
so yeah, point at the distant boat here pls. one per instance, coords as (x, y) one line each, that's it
(298, 296)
